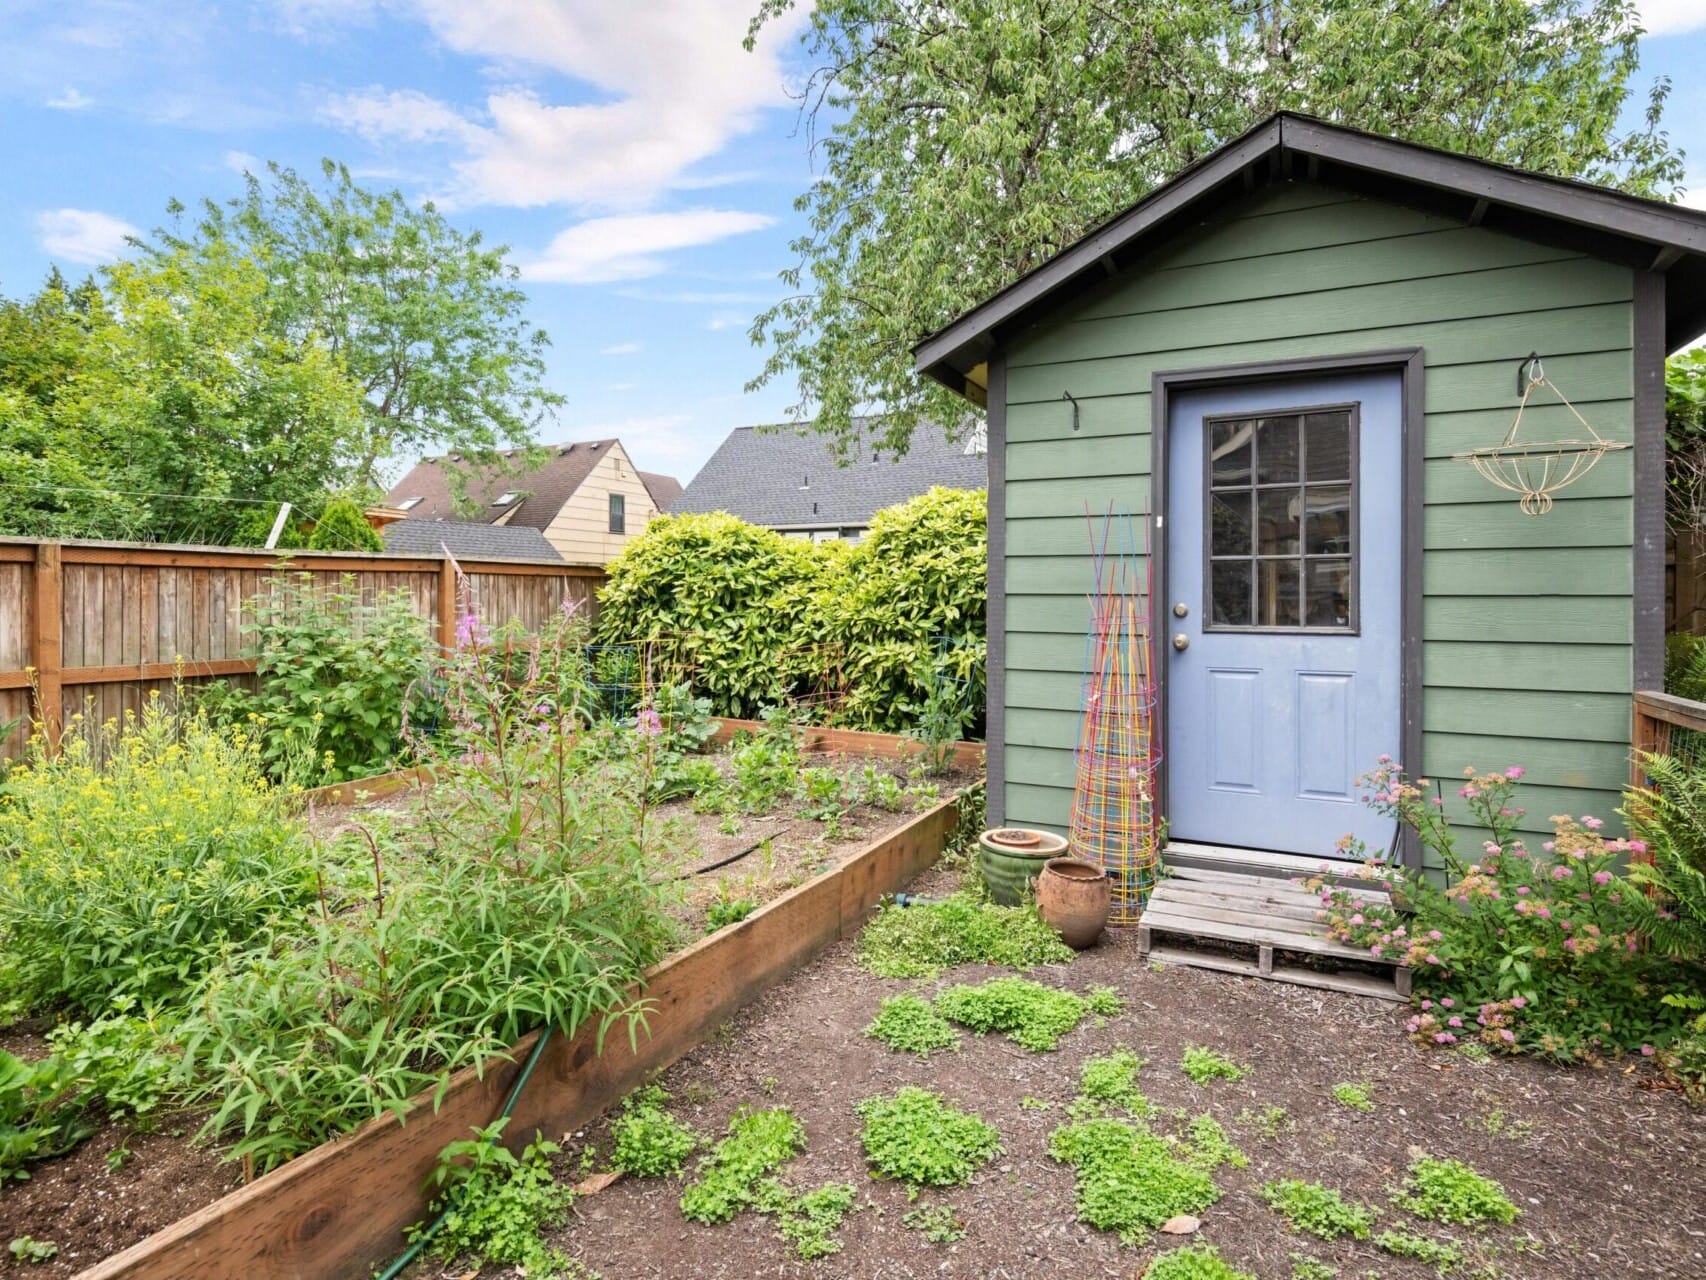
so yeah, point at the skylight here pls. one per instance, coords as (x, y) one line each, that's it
(409, 504)
(505, 498)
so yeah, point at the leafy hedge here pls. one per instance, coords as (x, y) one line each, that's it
(763, 617)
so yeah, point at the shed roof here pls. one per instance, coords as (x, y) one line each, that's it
(664, 489)
(468, 539)
(1648, 235)
(786, 478)
(544, 488)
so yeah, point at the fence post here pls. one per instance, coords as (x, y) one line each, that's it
(447, 604)
(45, 654)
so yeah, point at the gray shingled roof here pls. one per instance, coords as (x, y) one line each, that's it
(778, 477)
(468, 538)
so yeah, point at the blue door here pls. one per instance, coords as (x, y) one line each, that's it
(1282, 625)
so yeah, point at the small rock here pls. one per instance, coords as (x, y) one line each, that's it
(1182, 1225)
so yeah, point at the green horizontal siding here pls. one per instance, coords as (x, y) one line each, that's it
(1526, 620)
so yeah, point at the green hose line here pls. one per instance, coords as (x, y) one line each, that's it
(425, 1238)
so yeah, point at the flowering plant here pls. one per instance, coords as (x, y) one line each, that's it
(1526, 950)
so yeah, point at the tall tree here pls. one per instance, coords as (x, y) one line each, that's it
(425, 318)
(968, 140)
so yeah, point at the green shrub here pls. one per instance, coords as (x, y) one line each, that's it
(333, 679)
(738, 591)
(907, 1024)
(1319, 1210)
(1033, 1016)
(1203, 1065)
(915, 1137)
(343, 527)
(126, 1062)
(1670, 819)
(41, 1112)
(920, 941)
(1193, 1262)
(1127, 1179)
(1450, 1191)
(650, 1143)
(138, 854)
(496, 1204)
(730, 1178)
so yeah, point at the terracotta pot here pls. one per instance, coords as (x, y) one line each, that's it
(1074, 897)
(1011, 865)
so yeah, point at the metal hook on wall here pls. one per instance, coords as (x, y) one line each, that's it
(1529, 372)
(1067, 395)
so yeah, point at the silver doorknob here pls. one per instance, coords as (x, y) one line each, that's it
(1181, 642)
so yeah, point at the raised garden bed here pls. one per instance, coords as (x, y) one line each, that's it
(341, 1208)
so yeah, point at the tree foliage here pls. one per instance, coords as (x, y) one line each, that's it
(342, 527)
(968, 141)
(1685, 439)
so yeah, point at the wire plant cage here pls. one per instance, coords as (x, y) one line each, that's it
(1115, 819)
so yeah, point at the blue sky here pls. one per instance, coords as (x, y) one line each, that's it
(638, 162)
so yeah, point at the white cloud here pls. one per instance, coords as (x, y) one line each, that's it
(72, 99)
(243, 162)
(83, 235)
(620, 349)
(674, 85)
(1671, 17)
(661, 443)
(626, 246)
(728, 320)
(621, 386)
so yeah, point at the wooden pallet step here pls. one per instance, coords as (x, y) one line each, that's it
(1236, 927)
(1260, 884)
(1306, 911)
(1361, 984)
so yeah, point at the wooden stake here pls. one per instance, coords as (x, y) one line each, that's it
(44, 644)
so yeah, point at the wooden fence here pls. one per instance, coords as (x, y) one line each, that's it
(101, 625)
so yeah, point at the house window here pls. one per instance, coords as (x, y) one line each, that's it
(618, 513)
(1280, 534)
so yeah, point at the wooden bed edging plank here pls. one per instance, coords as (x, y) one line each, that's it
(340, 1210)
(360, 790)
(854, 742)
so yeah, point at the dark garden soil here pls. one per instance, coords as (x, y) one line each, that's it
(1610, 1175)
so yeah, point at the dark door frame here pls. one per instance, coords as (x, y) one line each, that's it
(1409, 364)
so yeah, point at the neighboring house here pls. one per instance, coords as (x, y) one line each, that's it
(586, 498)
(789, 481)
(467, 539)
(1275, 358)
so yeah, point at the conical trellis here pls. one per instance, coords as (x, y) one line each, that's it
(1114, 817)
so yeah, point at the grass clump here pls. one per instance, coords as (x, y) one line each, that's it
(1194, 1262)
(1203, 1065)
(1128, 1181)
(1111, 1080)
(808, 1221)
(1450, 1191)
(907, 1024)
(1028, 1013)
(1434, 1253)
(1358, 1097)
(1319, 1210)
(497, 1204)
(920, 941)
(757, 1144)
(937, 1222)
(915, 1137)
(1303, 1267)
(1104, 1002)
(1210, 1145)
(650, 1143)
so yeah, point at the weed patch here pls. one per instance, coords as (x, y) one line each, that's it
(1203, 1065)
(915, 1137)
(1319, 1210)
(1303, 1267)
(496, 1204)
(758, 1143)
(937, 1222)
(1450, 1191)
(907, 1024)
(920, 941)
(1434, 1253)
(1127, 1180)
(1111, 1080)
(809, 1220)
(727, 911)
(1210, 1146)
(1358, 1097)
(1028, 1013)
(650, 1143)
(1194, 1262)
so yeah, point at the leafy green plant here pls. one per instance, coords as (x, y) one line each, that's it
(29, 1249)
(1319, 1210)
(808, 1220)
(1104, 1002)
(528, 901)
(126, 1061)
(1444, 1190)
(496, 1204)
(334, 675)
(1127, 1180)
(1670, 819)
(1111, 1081)
(943, 718)
(823, 795)
(1203, 1065)
(921, 940)
(730, 1178)
(1358, 1097)
(916, 1137)
(1304, 1267)
(879, 788)
(1193, 1262)
(650, 1143)
(939, 1223)
(726, 911)
(766, 767)
(1434, 1253)
(1210, 1146)
(42, 1113)
(137, 854)
(1269, 1122)
(343, 527)
(1031, 1015)
(907, 1024)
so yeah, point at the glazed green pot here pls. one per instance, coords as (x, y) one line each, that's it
(1011, 870)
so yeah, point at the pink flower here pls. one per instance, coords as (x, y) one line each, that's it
(648, 723)
(1508, 1036)
(1427, 1004)
(1522, 890)
(470, 631)
(1602, 877)
(1357, 918)
(1519, 1002)
(1637, 846)
(1454, 1022)
(1647, 1051)
(1545, 913)
(1435, 935)
(1439, 800)
(1560, 873)
(1592, 824)
(1433, 959)
(1444, 1037)
(1447, 1003)
(1514, 772)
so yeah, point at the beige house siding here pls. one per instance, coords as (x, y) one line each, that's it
(581, 530)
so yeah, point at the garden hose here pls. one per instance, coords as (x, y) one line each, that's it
(431, 1229)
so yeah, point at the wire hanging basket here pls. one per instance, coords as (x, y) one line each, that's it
(1537, 469)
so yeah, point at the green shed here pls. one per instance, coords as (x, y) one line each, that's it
(1276, 361)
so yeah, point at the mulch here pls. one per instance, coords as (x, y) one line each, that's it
(1610, 1175)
